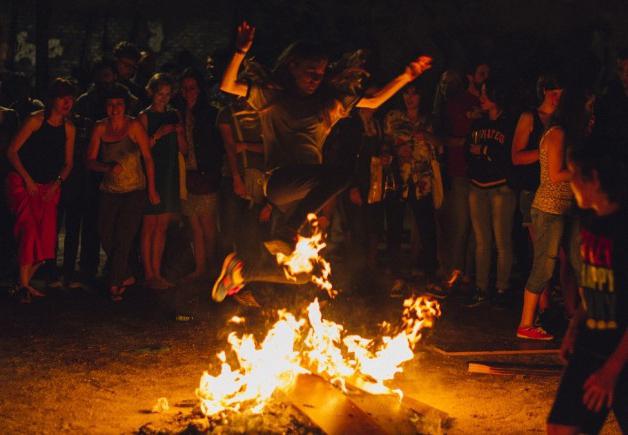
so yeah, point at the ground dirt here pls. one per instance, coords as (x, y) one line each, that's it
(77, 363)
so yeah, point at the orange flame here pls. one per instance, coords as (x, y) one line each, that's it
(316, 346)
(306, 259)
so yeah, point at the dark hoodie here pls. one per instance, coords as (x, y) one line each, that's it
(492, 166)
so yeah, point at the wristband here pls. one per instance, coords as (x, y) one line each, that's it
(240, 51)
(59, 179)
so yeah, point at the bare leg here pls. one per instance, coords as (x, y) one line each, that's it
(26, 275)
(159, 242)
(147, 241)
(530, 302)
(199, 248)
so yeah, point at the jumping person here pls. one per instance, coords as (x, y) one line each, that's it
(297, 113)
(596, 342)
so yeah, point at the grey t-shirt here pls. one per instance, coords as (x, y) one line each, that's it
(294, 128)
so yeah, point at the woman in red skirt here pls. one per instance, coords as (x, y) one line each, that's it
(41, 154)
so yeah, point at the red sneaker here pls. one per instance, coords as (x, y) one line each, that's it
(534, 333)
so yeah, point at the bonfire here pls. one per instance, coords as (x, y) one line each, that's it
(311, 344)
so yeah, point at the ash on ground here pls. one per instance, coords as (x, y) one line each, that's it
(277, 418)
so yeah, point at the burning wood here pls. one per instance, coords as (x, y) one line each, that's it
(313, 345)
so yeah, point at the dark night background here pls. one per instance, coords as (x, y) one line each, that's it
(75, 364)
(520, 37)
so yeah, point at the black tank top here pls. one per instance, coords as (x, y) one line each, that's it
(43, 153)
(527, 177)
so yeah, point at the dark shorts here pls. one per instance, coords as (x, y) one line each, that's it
(568, 409)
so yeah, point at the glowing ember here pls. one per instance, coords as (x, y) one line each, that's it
(306, 259)
(315, 346)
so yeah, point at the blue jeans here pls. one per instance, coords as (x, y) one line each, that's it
(492, 212)
(551, 231)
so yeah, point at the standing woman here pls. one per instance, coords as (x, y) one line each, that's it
(167, 139)
(203, 165)
(41, 154)
(117, 147)
(416, 152)
(525, 176)
(553, 200)
(491, 201)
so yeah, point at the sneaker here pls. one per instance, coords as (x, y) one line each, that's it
(534, 333)
(477, 298)
(225, 284)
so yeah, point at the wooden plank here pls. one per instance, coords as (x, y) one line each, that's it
(408, 415)
(499, 368)
(329, 408)
(387, 411)
(479, 352)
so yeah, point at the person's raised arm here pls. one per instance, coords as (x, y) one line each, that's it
(412, 71)
(244, 41)
(31, 124)
(91, 158)
(519, 154)
(555, 142)
(138, 134)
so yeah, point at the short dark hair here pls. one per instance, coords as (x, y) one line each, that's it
(116, 91)
(60, 87)
(297, 52)
(127, 50)
(609, 158)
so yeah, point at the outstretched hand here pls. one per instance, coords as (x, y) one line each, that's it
(418, 67)
(244, 38)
